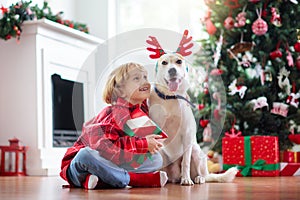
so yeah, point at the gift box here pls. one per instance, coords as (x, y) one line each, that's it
(289, 169)
(253, 155)
(291, 156)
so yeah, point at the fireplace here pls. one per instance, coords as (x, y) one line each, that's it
(49, 91)
(68, 110)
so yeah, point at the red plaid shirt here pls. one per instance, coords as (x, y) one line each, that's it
(105, 133)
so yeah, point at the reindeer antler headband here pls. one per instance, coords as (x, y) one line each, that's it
(184, 45)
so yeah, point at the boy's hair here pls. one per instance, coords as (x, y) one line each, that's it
(115, 80)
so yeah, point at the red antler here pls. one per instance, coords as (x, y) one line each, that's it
(185, 40)
(158, 50)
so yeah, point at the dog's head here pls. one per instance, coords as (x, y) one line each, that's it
(171, 68)
(171, 72)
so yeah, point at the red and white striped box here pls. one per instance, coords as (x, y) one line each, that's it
(289, 169)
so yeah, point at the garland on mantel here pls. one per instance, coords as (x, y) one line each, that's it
(12, 18)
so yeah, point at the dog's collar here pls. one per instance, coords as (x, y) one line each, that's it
(167, 97)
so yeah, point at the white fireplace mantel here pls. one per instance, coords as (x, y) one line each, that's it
(45, 48)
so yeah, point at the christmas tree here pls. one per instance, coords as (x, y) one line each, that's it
(251, 61)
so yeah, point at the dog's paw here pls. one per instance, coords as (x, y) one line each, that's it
(199, 180)
(186, 181)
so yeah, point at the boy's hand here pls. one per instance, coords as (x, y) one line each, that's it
(153, 144)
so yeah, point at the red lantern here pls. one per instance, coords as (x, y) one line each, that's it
(13, 159)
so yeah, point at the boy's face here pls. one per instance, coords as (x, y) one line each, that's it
(137, 87)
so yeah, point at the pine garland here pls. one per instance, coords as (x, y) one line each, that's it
(12, 18)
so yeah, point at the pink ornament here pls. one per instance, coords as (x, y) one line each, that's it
(289, 58)
(280, 109)
(241, 20)
(276, 19)
(229, 23)
(259, 27)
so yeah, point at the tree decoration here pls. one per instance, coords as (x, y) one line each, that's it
(241, 47)
(210, 27)
(293, 99)
(275, 19)
(260, 102)
(229, 23)
(12, 18)
(289, 58)
(280, 109)
(203, 122)
(297, 46)
(275, 54)
(217, 53)
(241, 19)
(259, 27)
(234, 88)
(283, 80)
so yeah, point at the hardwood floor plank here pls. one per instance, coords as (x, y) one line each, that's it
(267, 188)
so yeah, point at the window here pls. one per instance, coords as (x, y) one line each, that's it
(175, 15)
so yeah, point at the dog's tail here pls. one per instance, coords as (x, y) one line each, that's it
(227, 176)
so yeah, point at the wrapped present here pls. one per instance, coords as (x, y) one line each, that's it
(253, 155)
(289, 169)
(291, 156)
(141, 125)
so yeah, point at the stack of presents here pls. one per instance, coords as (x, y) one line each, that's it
(259, 156)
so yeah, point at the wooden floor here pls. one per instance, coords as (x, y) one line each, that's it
(44, 188)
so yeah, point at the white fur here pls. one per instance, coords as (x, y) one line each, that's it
(184, 161)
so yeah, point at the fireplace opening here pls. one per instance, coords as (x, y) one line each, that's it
(68, 110)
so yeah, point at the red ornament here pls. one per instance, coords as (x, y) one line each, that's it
(229, 23)
(7, 37)
(259, 27)
(201, 106)
(275, 54)
(4, 10)
(204, 122)
(295, 138)
(210, 27)
(297, 46)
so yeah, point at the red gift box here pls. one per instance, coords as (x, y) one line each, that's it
(253, 155)
(289, 169)
(291, 157)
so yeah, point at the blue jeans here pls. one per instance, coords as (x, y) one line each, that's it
(88, 161)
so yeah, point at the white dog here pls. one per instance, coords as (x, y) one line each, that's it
(184, 161)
